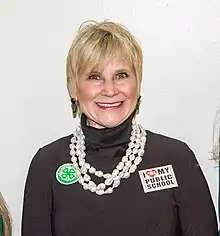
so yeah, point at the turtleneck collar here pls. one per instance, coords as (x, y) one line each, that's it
(106, 137)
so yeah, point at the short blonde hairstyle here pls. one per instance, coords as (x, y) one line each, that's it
(6, 218)
(97, 41)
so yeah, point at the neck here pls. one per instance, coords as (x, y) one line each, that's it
(97, 135)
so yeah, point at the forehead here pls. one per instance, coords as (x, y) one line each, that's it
(110, 64)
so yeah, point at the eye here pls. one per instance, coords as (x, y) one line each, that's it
(94, 77)
(122, 75)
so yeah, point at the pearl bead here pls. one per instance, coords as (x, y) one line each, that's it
(126, 175)
(135, 151)
(137, 161)
(100, 192)
(92, 189)
(128, 163)
(99, 173)
(83, 170)
(78, 152)
(120, 166)
(107, 175)
(121, 174)
(109, 190)
(92, 186)
(82, 155)
(73, 159)
(87, 165)
(116, 183)
(141, 152)
(133, 168)
(87, 178)
(85, 186)
(72, 152)
(71, 146)
(115, 172)
(108, 181)
(125, 169)
(73, 139)
(101, 186)
(124, 159)
(132, 157)
(143, 138)
(92, 170)
(129, 151)
(81, 181)
(82, 163)
(117, 177)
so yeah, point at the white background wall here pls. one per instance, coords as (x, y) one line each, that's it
(181, 43)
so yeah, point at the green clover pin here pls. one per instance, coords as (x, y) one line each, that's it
(66, 174)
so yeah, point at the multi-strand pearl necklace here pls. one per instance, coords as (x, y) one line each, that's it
(123, 170)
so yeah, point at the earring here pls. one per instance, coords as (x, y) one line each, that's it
(74, 105)
(138, 105)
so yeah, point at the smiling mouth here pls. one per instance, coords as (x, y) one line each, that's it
(105, 106)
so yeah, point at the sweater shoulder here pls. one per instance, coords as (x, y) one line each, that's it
(169, 149)
(54, 152)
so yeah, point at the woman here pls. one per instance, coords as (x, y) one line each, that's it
(5, 220)
(111, 176)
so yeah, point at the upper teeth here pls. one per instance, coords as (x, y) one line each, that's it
(110, 104)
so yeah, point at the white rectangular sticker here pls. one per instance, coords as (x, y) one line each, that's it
(158, 178)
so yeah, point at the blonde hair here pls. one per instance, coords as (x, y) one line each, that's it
(6, 218)
(216, 138)
(97, 41)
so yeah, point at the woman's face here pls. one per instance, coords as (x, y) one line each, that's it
(108, 97)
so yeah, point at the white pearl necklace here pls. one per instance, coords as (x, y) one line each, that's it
(125, 167)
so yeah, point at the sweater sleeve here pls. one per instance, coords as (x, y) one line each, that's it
(196, 210)
(36, 218)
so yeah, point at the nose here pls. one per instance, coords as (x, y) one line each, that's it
(109, 88)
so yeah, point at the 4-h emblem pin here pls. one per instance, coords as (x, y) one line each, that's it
(66, 174)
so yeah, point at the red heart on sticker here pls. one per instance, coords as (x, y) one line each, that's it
(151, 173)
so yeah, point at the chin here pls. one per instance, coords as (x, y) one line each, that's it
(111, 122)
(111, 125)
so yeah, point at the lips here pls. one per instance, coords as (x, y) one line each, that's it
(114, 105)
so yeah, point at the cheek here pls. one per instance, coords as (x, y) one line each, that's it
(86, 94)
(131, 90)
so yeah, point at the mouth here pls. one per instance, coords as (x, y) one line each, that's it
(109, 106)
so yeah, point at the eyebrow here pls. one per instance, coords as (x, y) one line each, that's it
(123, 70)
(96, 72)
